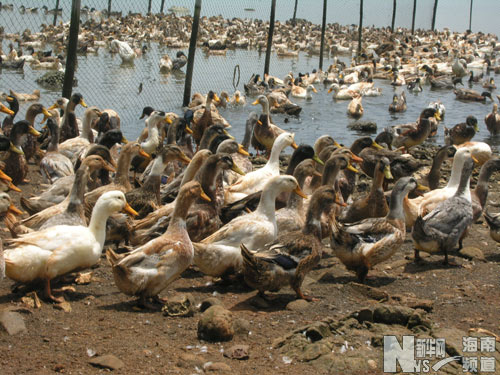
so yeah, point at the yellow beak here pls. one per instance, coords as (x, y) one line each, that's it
(387, 172)
(189, 130)
(82, 103)
(242, 151)
(299, 192)
(129, 210)
(255, 102)
(237, 169)
(144, 154)
(33, 131)
(204, 196)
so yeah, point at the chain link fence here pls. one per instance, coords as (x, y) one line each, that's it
(232, 34)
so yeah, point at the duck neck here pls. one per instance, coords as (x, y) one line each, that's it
(76, 196)
(378, 180)
(30, 116)
(172, 131)
(181, 210)
(396, 211)
(481, 189)
(153, 180)
(330, 173)
(248, 134)
(266, 112)
(207, 177)
(274, 159)
(435, 172)
(97, 223)
(123, 166)
(296, 202)
(86, 130)
(54, 140)
(313, 219)
(463, 189)
(456, 170)
(267, 203)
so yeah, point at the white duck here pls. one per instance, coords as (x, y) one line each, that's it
(255, 181)
(126, 52)
(220, 253)
(303, 93)
(61, 249)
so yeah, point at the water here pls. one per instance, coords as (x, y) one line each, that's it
(106, 83)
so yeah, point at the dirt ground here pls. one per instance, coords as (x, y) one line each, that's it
(103, 321)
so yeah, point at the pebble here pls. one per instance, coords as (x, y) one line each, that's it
(12, 322)
(180, 305)
(298, 305)
(471, 252)
(237, 352)
(216, 324)
(107, 361)
(217, 366)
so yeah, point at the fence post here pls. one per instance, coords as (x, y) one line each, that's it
(149, 7)
(72, 44)
(109, 8)
(393, 15)
(413, 17)
(192, 51)
(161, 6)
(55, 14)
(434, 11)
(323, 28)
(470, 16)
(360, 27)
(270, 37)
(294, 12)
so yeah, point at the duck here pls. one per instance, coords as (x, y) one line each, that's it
(439, 107)
(24, 97)
(303, 93)
(492, 120)
(74, 147)
(54, 165)
(472, 95)
(444, 82)
(287, 259)
(362, 245)
(238, 99)
(279, 103)
(481, 151)
(374, 203)
(493, 220)
(442, 228)
(152, 267)
(69, 124)
(127, 54)
(61, 249)
(15, 164)
(255, 180)
(415, 86)
(355, 108)
(398, 103)
(11, 112)
(480, 192)
(239, 156)
(341, 93)
(146, 198)
(265, 133)
(166, 64)
(179, 61)
(121, 180)
(30, 145)
(463, 132)
(415, 134)
(206, 119)
(219, 253)
(447, 151)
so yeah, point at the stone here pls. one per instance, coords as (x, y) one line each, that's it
(298, 305)
(363, 126)
(471, 252)
(363, 315)
(208, 302)
(180, 305)
(237, 352)
(107, 361)
(369, 291)
(313, 351)
(64, 306)
(12, 322)
(453, 337)
(216, 324)
(216, 367)
(190, 361)
(391, 314)
(241, 326)
(318, 331)
(414, 303)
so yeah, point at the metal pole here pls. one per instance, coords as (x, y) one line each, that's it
(470, 16)
(270, 37)
(393, 15)
(413, 17)
(294, 12)
(323, 28)
(434, 11)
(72, 44)
(109, 8)
(55, 14)
(149, 7)
(360, 31)
(192, 50)
(161, 6)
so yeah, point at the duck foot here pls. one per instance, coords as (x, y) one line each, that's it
(417, 258)
(50, 296)
(267, 297)
(305, 296)
(144, 304)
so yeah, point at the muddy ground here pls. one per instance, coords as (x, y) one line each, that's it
(102, 321)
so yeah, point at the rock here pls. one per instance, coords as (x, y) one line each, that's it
(208, 302)
(372, 364)
(363, 315)
(216, 324)
(107, 361)
(53, 80)
(12, 322)
(318, 331)
(31, 300)
(180, 305)
(327, 277)
(237, 352)
(64, 306)
(298, 305)
(189, 361)
(471, 252)
(391, 314)
(414, 303)
(241, 326)
(363, 126)
(314, 351)
(216, 366)
(368, 291)
(454, 340)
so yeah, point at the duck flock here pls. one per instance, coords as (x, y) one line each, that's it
(186, 193)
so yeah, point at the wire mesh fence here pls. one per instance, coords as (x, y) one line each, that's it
(232, 33)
